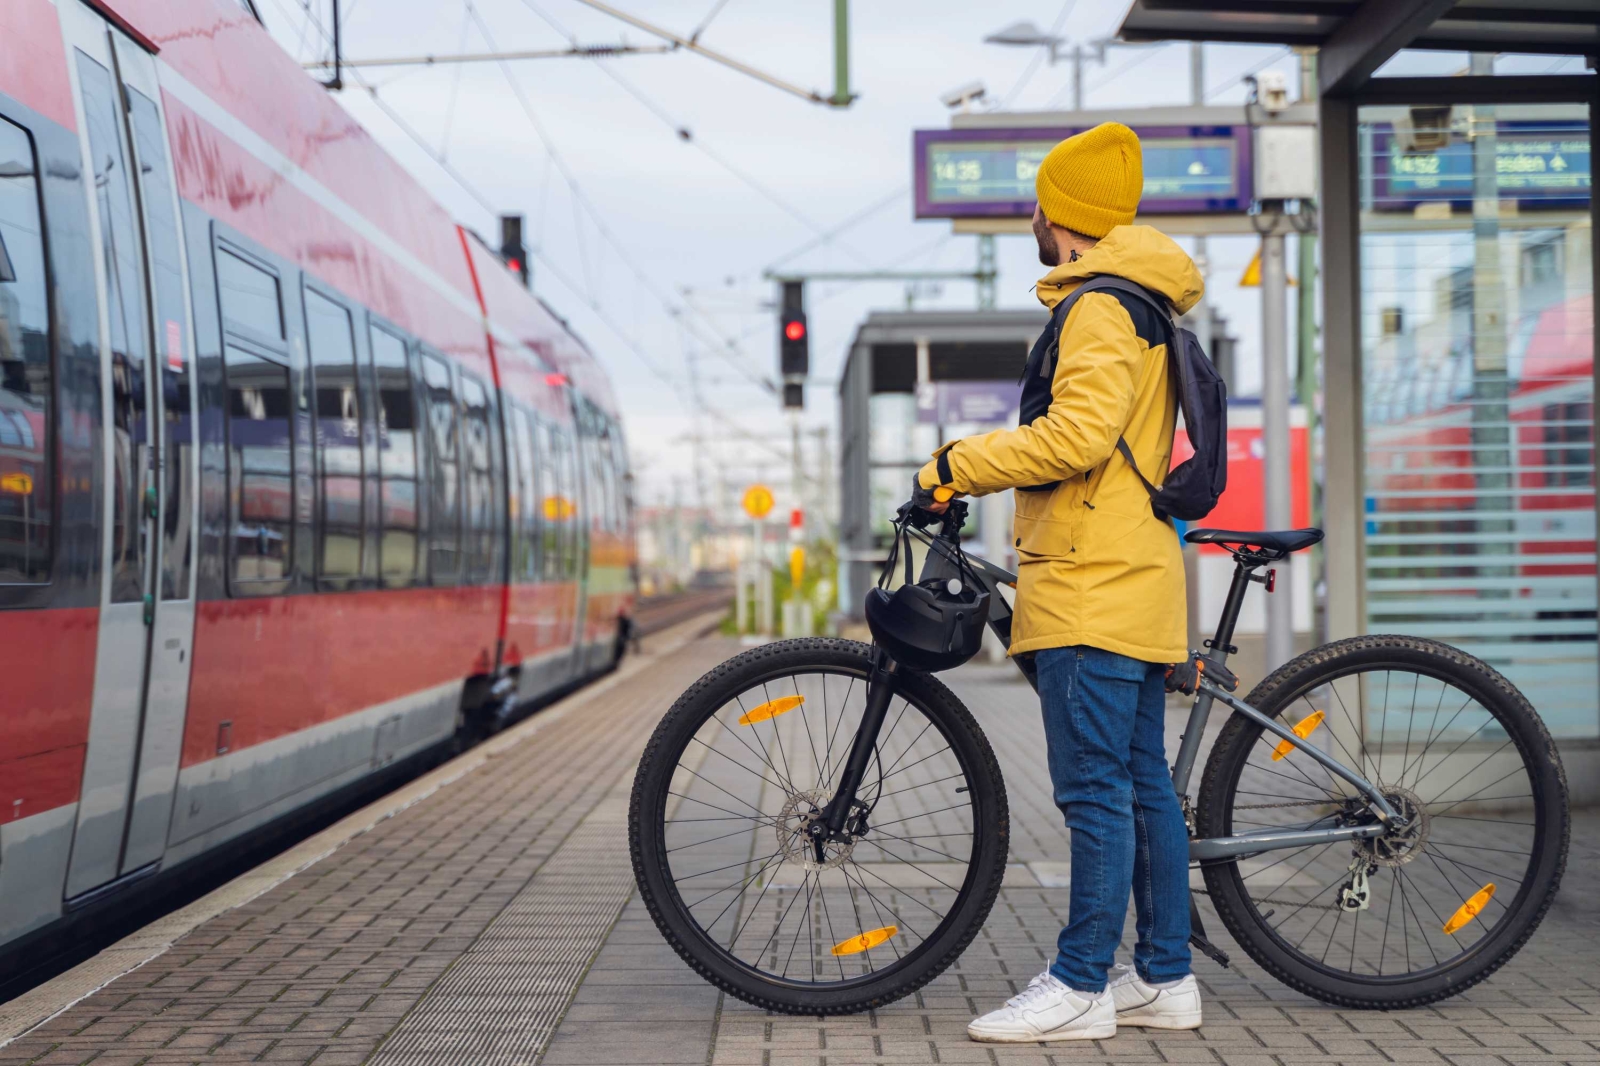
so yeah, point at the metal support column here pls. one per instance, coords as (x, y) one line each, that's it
(1275, 435)
(986, 271)
(1343, 487)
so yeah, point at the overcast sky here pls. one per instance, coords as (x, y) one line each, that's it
(653, 244)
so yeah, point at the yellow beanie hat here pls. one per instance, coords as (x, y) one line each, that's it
(1092, 182)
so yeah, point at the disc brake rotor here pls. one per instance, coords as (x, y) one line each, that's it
(1399, 846)
(794, 837)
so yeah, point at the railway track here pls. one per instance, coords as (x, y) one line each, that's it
(655, 613)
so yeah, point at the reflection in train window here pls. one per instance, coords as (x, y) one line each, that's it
(444, 498)
(172, 370)
(26, 477)
(397, 459)
(122, 254)
(338, 439)
(525, 515)
(260, 468)
(249, 296)
(481, 529)
(569, 514)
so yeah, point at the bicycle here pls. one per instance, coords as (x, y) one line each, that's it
(835, 870)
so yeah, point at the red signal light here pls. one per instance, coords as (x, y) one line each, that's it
(795, 330)
(514, 265)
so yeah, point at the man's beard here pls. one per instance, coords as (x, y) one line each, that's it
(1049, 250)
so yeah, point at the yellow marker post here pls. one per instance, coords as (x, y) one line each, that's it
(797, 567)
(771, 709)
(1471, 908)
(1304, 728)
(866, 941)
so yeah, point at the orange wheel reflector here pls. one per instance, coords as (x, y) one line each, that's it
(866, 941)
(1471, 908)
(1304, 728)
(771, 709)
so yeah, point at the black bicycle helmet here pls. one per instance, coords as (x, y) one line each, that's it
(932, 625)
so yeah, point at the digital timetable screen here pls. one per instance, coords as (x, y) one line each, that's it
(990, 172)
(1539, 164)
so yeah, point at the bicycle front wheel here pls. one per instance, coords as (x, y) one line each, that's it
(1426, 910)
(737, 771)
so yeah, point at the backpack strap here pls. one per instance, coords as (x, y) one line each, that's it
(1114, 283)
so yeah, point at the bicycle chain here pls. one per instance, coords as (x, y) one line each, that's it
(1282, 902)
(1293, 803)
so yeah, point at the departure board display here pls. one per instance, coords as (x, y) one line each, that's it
(990, 172)
(1538, 164)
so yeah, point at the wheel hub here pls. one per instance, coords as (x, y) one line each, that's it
(1400, 844)
(798, 826)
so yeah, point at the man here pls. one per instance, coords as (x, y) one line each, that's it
(1100, 593)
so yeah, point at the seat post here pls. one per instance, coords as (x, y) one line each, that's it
(1222, 640)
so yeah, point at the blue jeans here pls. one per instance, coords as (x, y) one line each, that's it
(1103, 719)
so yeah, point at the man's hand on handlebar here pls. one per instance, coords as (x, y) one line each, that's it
(1185, 677)
(935, 500)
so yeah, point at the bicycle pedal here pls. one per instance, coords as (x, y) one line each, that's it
(1210, 950)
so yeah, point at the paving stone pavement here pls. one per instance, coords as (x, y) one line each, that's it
(493, 923)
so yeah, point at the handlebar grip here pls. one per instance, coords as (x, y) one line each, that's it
(944, 494)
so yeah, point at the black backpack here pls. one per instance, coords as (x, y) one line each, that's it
(1193, 486)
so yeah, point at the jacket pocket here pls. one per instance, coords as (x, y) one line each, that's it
(1039, 530)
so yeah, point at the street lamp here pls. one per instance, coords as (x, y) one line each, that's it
(1027, 34)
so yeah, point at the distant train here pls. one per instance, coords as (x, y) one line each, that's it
(296, 479)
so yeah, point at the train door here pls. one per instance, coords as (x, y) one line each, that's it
(146, 619)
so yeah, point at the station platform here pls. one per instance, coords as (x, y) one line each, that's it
(485, 914)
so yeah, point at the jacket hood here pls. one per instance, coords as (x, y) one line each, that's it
(1139, 253)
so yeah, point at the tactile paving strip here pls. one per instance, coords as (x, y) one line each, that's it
(501, 1001)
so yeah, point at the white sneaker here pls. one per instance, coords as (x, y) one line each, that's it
(1175, 1007)
(1048, 1010)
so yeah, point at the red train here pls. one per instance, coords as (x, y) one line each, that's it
(296, 479)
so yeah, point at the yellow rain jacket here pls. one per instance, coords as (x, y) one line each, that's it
(1095, 566)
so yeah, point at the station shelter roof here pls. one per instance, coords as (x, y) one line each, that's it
(1355, 37)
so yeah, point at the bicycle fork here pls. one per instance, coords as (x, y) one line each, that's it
(880, 691)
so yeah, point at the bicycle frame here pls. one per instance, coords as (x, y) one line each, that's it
(941, 562)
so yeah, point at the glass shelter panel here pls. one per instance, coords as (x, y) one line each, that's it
(1477, 339)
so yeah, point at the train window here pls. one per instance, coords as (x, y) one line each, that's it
(573, 515)
(27, 480)
(444, 499)
(548, 513)
(397, 459)
(172, 373)
(527, 515)
(338, 439)
(260, 470)
(122, 254)
(478, 511)
(250, 297)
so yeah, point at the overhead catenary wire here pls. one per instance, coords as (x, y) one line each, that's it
(552, 267)
(649, 284)
(686, 134)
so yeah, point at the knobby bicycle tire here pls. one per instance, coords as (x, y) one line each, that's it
(1302, 675)
(648, 847)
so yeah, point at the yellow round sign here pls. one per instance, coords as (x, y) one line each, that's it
(757, 501)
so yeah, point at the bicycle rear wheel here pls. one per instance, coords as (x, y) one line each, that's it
(1418, 914)
(745, 760)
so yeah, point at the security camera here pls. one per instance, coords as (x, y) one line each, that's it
(1273, 90)
(962, 99)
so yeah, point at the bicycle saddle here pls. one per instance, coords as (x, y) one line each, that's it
(1275, 544)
